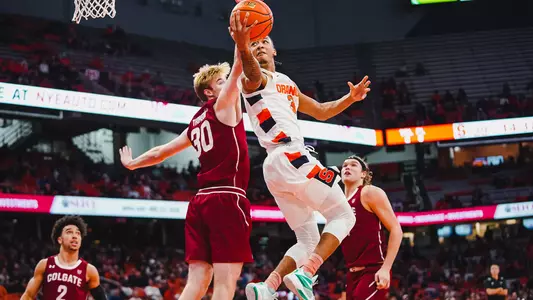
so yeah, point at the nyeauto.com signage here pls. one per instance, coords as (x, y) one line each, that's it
(54, 99)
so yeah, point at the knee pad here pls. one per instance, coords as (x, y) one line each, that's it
(339, 220)
(307, 238)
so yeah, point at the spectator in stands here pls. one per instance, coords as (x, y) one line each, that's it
(461, 96)
(319, 88)
(44, 69)
(495, 285)
(477, 196)
(436, 98)
(506, 90)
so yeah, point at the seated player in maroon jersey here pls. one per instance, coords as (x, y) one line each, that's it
(65, 276)
(368, 258)
(218, 222)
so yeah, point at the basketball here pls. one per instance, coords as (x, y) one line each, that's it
(258, 11)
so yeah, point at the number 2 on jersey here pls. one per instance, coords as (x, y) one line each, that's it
(62, 290)
(202, 138)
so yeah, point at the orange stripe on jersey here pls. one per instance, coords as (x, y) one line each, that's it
(264, 115)
(297, 159)
(314, 171)
(293, 156)
(280, 136)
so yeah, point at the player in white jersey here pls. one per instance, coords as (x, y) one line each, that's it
(299, 182)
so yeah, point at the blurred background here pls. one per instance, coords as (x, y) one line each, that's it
(447, 130)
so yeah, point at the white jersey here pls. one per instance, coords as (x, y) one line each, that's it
(273, 111)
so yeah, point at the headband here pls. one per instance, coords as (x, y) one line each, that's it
(361, 162)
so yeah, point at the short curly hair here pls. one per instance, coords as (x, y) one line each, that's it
(65, 221)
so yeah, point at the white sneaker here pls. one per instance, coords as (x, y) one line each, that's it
(259, 291)
(300, 284)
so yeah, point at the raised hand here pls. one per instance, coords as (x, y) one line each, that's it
(125, 156)
(358, 92)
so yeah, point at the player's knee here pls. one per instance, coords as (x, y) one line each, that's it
(307, 238)
(226, 273)
(200, 275)
(225, 281)
(340, 222)
(299, 252)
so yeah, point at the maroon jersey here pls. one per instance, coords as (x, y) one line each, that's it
(65, 283)
(366, 244)
(222, 149)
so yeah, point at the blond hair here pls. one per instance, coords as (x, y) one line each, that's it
(206, 74)
(364, 166)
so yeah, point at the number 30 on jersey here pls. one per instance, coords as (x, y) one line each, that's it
(202, 138)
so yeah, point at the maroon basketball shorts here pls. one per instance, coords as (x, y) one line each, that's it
(218, 226)
(361, 285)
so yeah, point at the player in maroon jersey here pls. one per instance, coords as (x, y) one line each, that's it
(368, 258)
(218, 222)
(65, 276)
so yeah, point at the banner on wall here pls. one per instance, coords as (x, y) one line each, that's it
(177, 210)
(54, 99)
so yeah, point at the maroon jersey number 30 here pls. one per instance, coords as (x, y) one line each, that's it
(65, 283)
(222, 150)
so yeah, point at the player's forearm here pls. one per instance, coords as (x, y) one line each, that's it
(151, 157)
(504, 292)
(233, 89)
(492, 291)
(395, 240)
(25, 296)
(250, 66)
(31, 291)
(332, 108)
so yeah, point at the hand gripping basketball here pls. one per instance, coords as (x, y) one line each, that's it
(240, 33)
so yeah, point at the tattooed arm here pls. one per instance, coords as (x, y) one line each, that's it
(253, 77)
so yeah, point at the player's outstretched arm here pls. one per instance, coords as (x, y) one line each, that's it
(93, 283)
(379, 203)
(228, 107)
(240, 33)
(155, 155)
(327, 110)
(35, 282)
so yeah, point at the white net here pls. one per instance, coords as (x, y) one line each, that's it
(93, 9)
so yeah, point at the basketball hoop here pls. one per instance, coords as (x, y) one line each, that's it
(93, 9)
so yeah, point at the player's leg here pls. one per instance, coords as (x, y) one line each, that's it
(198, 280)
(228, 217)
(225, 282)
(351, 283)
(197, 252)
(301, 220)
(339, 221)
